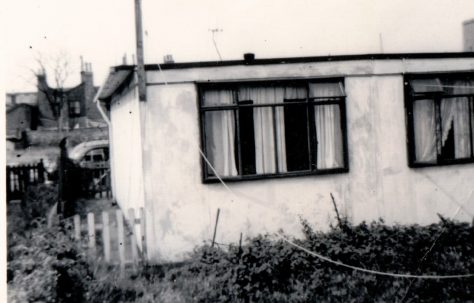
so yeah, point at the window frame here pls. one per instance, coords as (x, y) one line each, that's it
(411, 97)
(310, 105)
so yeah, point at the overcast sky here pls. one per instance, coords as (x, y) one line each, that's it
(102, 31)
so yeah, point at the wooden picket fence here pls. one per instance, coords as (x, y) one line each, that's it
(21, 176)
(112, 238)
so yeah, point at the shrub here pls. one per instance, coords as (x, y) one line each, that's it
(46, 266)
(267, 270)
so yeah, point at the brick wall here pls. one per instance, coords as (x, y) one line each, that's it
(75, 136)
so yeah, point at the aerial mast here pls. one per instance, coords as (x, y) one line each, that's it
(139, 49)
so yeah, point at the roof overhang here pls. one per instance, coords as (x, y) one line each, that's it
(117, 78)
(120, 76)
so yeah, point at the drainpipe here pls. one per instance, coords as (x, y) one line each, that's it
(97, 103)
(107, 120)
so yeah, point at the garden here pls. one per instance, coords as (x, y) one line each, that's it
(45, 265)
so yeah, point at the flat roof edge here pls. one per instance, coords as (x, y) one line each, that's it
(388, 56)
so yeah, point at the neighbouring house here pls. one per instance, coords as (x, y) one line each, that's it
(21, 115)
(34, 118)
(40, 110)
(390, 136)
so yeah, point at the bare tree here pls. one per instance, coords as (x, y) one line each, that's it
(58, 66)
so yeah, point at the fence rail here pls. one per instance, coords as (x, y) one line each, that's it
(21, 176)
(112, 238)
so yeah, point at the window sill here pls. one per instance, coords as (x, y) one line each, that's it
(443, 163)
(211, 180)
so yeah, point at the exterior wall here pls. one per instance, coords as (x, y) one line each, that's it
(181, 209)
(126, 160)
(75, 136)
(20, 118)
(83, 93)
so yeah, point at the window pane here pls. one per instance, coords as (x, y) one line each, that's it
(455, 128)
(247, 141)
(218, 97)
(424, 123)
(266, 153)
(296, 136)
(330, 89)
(458, 87)
(426, 85)
(329, 136)
(97, 158)
(220, 138)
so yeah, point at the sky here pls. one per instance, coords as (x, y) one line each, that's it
(102, 31)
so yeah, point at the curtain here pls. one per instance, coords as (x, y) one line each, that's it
(455, 114)
(328, 126)
(424, 120)
(220, 133)
(266, 153)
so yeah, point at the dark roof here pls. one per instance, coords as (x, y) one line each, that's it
(395, 56)
(16, 106)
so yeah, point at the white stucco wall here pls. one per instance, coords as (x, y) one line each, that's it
(126, 159)
(181, 209)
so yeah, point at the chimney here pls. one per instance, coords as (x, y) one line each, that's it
(249, 58)
(87, 80)
(87, 76)
(468, 35)
(168, 59)
(41, 81)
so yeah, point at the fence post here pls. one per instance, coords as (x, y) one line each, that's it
(62, 176)
(91, 232)
(77, 228)
(143, 233)
(121, 240)
(133, 240)
(106, 235)
(9, 191)
(41, 171)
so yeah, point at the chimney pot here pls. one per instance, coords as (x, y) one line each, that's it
(168, 59)
(249, 57)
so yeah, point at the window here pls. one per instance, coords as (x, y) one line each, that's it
(273, 129)
(440, 119)
(96, 157)
(74, 108)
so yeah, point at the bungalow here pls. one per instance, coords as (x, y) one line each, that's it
(267, 141)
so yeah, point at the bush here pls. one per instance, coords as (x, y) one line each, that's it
(265, 270)
(46, 266)
(37, 202)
